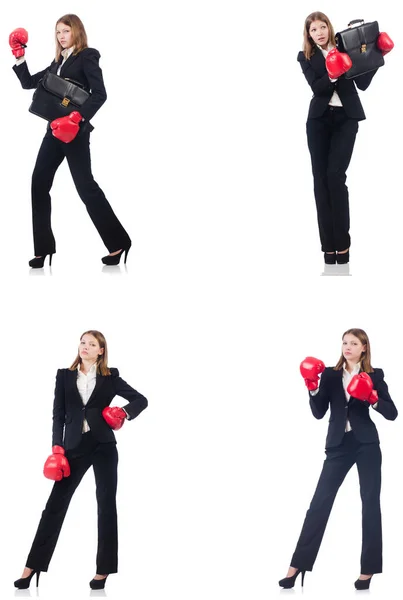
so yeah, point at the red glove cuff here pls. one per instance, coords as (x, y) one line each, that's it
(373, 399)
(75, 116)
(57, 450)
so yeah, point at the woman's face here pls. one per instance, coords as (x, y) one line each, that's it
(64, 35)
(352, 348)
(319, 32)
(89, 348)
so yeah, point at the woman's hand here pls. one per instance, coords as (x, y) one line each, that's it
(337, 63)
(65, 129)
(362, 388)
(384, 43)
(114, 416)
(18, 41)
(310, 369)
(56, 465)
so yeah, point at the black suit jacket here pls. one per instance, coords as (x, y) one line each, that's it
(69, 410)
(331, 393)
(82, 67)
(318, 78)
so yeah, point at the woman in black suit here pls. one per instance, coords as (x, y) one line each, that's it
(352, 388)
(332, 126)
(82, 437)
(69, 137)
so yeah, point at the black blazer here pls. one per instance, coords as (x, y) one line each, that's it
(82, 67)
(69, 410)
(318, 78)
(331, 392)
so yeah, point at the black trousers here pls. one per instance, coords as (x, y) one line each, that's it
(50, 156)
(331, 139)
(104, 459)
(338, 462)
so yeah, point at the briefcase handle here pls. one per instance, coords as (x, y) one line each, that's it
(355, 21)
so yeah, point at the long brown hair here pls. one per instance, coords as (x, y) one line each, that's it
(102, 362)
(78, 33)
(309, 46)
(365, 359)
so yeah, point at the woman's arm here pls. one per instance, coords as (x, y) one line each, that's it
(59, 410)
(363, 81)
(27, 80)
(385, 404)
(320, 85)
(93, 73)
(137, 402)
(319, 399)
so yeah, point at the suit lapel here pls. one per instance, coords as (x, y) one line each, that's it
(318, 62)
(67, 64)
(100, 380)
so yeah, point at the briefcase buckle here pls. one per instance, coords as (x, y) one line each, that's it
(65, 102)
(363, 48)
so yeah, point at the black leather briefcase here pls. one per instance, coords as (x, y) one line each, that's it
(57, 97)
(360, 44)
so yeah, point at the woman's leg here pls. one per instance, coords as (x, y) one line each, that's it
(341, 150)
(369, 460)
(105, 462)
(318, 134)
(336, 466)
(50, 156)
(52, 519)
(109, 227)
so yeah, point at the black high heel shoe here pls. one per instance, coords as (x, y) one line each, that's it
(115, 259)
(362, 584)
(330, 258)
(289, 582)
(38, 262)
(24, 582)
(343, 259)
(98, 584)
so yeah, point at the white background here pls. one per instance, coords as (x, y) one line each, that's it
(202, 153)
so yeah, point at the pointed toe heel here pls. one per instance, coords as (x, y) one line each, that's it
(98, 584)
(24, 582)
(115, 259)
(362, 584)
(38, 262)
(289, 582)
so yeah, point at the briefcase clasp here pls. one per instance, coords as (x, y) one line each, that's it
(65, 102)
(363, 48)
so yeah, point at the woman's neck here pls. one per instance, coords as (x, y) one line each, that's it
(86, 365)
(350, 366)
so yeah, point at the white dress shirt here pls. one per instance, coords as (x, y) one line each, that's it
(347, 377)
(335, 99)
(65, 53)
(85, 386)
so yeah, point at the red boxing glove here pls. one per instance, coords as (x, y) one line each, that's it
(114, 416)
(310, 369)
(56, 465)
(337, 63)
(384, 43)
(18, 41)
(362, 388)
(65, 129)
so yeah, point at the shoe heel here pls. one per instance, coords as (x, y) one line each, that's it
(50, 260)
(38, 573)
(126, 253)
(302, 578)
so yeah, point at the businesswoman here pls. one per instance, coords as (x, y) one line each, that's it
(352, 389)
(82, 437)
(69, 137)
(334, 113)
